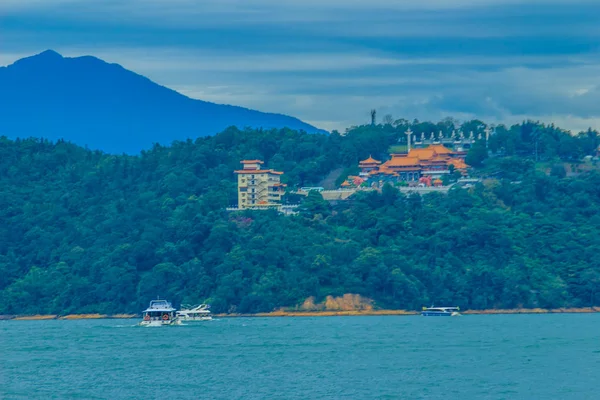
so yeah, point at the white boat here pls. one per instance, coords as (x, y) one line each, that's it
(194, 313)
(159, 313)
(440, 311)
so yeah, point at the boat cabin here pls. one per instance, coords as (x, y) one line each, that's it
(159, 310)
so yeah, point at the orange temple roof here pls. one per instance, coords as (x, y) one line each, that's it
(422, 154)
(402, 162)
(458, 163)
(440, 149)
(370, 160)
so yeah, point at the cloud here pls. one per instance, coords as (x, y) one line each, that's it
(330, 61)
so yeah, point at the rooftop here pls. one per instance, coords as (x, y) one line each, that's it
(258, 171)
(370, 160)
(252, 162)
(402, 162)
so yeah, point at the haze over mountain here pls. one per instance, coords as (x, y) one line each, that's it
(104, 106)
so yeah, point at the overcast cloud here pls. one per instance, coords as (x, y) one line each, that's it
(329, 62)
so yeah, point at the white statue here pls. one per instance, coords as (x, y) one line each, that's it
(487, 135)
(408, 135)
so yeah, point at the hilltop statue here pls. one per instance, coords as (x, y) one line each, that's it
(408, 134)
(487, 135)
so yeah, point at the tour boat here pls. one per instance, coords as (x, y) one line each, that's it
(194, 313)
(159, 313)
(440, 311)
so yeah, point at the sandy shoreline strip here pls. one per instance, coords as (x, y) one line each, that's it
(585, 310)
(66, 317)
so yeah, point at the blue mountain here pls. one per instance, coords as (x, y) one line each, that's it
(90, 102)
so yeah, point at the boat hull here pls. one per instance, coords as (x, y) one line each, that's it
(151, 324)
(198, 319)
(439, 314)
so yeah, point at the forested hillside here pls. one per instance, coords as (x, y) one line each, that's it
(82, 231)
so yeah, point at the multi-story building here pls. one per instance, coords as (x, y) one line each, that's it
(257, 187)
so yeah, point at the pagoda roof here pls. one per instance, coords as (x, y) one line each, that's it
(370, 160)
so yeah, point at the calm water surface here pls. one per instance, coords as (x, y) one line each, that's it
(471, 357)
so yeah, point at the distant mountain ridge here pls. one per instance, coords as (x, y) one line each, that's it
(104, 106)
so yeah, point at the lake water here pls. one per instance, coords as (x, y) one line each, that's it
(470, 357)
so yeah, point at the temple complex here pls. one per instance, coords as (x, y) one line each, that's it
(424, 166)
(259, 188)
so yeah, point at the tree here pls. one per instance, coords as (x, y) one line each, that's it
(388, 119)
(558, 171)
(477, 154)
(314, 204)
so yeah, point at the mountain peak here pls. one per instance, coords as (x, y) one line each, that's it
(49, 54)
(40, 60)
(90, 102)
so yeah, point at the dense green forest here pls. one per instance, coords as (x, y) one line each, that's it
(82, 231)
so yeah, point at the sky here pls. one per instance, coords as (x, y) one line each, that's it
(329, 62)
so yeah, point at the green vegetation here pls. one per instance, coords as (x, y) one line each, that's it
(87, 232)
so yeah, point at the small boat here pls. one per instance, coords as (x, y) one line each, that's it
(440, 311)
(159, 313)
(194, 313)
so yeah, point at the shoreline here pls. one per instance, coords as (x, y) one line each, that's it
(273, 314)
